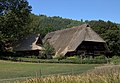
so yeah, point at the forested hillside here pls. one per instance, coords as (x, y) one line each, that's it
(42, 24)
(16, 21)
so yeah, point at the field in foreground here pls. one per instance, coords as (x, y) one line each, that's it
(11, 70)
(106, 74)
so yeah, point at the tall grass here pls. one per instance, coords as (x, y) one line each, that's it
(105, 74)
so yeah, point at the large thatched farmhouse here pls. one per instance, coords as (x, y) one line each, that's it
(30, 45)
(76, 41)
(79, 40)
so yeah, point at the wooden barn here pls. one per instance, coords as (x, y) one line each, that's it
(79, 40)
(30, 45)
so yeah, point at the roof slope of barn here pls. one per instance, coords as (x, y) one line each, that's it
(28, 43)
(69, 39)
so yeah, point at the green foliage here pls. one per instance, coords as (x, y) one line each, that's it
(100, 57)
(14, 19)
(48, 51)
(101, 26)
(44, 59)
(112, 38)
(43, 24)
(72, 57)
(115, 60)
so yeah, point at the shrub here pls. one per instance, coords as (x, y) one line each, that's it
(68, 60)
(72, 57)
(48, 51)
(100, 57)
(115, 60)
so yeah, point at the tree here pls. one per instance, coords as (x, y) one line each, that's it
(112, 38)
(48, 51)
(14, 19)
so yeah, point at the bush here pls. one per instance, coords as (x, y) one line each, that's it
(48, 51)
(100, 57)
(115, 60)
(73, 59)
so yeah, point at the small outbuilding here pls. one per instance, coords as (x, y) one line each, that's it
(76, 41)
(30, 45)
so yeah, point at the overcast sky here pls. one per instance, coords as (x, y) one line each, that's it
(78, 9)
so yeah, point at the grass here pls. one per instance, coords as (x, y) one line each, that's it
(105, 74)
(9, 70)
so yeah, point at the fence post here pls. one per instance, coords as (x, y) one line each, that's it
(40, 72)
(72, 71)
(36, 74)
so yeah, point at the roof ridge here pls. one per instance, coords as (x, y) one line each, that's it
(80, 26)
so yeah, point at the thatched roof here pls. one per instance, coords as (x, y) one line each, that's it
(31, 42)
(69, 39)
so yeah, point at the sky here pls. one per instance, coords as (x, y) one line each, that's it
(78, 9)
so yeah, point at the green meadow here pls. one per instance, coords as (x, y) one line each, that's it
(9, 70)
